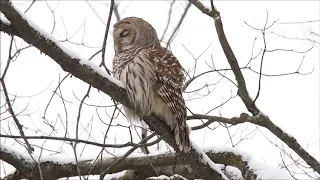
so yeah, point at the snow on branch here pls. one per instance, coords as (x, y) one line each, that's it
(166, 163)
(81, 68)
(243, 161)
(4, 20)
(69, 52)
(70, 62)
(206, 160)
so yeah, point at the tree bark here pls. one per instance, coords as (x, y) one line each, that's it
(22, 28)
(166, 164)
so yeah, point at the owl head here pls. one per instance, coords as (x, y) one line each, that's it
(131, 33)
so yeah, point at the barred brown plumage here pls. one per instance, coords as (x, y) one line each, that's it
(152, 75)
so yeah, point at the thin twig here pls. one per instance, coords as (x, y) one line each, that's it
(179, 23)
(78, 141)
(168, 21)
(103, 174)
(105, 38)
(10, 109)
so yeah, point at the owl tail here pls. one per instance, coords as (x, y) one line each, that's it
(181, 134)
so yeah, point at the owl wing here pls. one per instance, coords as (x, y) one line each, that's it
(169, 81)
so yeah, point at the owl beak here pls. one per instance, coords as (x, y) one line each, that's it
(117, 47)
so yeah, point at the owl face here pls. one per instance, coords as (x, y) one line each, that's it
(132, 33)
(124, 34)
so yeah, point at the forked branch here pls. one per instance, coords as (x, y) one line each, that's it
(21, 27)
(243, 92)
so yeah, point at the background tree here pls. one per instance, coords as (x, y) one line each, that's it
(54, 126)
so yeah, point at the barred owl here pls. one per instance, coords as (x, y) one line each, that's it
(152, 75)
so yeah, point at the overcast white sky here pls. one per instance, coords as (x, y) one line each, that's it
(291, 102)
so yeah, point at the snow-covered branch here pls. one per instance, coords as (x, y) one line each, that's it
(91, 74)
(166, 163)
(4, 20)
(17, 24)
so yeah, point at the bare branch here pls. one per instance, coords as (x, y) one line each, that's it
(243, 92)
(168, 21)
(116, 12)
(179, 23)
(75, 140)
(301, 22)
(8, 102)
(106, 37)
(102, 175)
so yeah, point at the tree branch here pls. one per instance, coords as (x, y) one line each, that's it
(7, 28)
(166, 163)
(8, 102)
(262, 119)
(86, 73)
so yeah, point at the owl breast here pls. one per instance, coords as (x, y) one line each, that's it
(139, 78)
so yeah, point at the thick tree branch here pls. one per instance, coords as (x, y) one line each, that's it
(86, 73)
(7, 28)
(167, 163)
(262, 119)
(22, 29)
